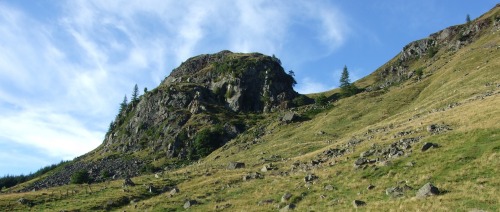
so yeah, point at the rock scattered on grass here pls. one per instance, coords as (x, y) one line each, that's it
(427, 190)
(358, 203)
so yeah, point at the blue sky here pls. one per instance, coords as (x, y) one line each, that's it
(65, 65)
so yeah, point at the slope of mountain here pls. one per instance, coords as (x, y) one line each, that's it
(430, 115)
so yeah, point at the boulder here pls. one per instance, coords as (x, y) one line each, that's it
(128, 182)
(253, 175)
(190, 203)
(310, 178)
(358, 203)
(428, 145)
(289, 117)
(288, 207)
(427, 190)
(235, 165)
(286, 197)
(329, 187)
(174, 191)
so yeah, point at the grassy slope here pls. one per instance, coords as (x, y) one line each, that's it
(465, 166)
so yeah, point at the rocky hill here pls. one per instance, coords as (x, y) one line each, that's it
(195, 110)
(222, 133)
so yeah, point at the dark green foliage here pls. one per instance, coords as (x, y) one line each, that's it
(292, 75)
(105, 174)
(135, 94)
(321, 100)
(149, 168)
(432, 51)
(123, 105)
(80, 177)
(344, 79)
(10, 180)
(467, 18)
(206, 141)
(346, 87)
(419, 72)
(145, 90)
(302, 100)
(276, 59)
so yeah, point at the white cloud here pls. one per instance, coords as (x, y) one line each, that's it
(61, 79)
(308, 85)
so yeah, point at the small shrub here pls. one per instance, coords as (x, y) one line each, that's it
(419, 72)
(432, 51)
(321, 100)
(80, 177)
(105, 174)
(149, 168)
(301, 100)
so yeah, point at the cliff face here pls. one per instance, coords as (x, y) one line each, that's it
(204, 93)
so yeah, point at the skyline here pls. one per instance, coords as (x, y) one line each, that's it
(66, 65)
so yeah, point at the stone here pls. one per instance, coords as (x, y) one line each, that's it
(358, 203)
(394, 192)
(128, 182)
(190, 203)
(174, 191)
(427, 146)
(222, 207)
(431, 128)
(286, 197)
(266, 202)
(370, 187)
(360, 161)
(329, 187)
(24, 201)
(235, 165)
(310, 178)
(289, 117)
(253, 175)
(427, 190)
(288, 207)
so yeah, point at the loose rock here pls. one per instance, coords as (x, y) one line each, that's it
(286, 197)
(190, 203)
(358, 203)
(235, 165)
(428, 145)
(427, 190)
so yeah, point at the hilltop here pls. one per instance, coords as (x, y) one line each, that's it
(423, 134)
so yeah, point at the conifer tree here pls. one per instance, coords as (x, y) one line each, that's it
(345, 82)
(123, 105)
(135, 94)
(467, 19)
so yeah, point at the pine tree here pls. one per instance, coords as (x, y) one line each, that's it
(345, 82)
(347, 88)
(467, 19)
(123, 105)
(135, 94)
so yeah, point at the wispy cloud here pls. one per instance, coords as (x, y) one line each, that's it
(61, 79)
(309, 85)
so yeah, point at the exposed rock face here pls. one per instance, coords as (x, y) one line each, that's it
(167, 119)
(247, 82)
(449, 39)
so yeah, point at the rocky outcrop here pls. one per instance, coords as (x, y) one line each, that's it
(449, 39)
(199, 94)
